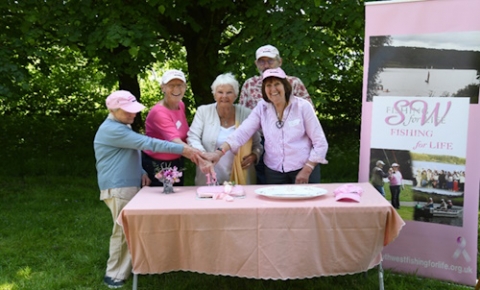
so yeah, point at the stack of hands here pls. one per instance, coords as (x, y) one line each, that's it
(207, 160)
(204, 160)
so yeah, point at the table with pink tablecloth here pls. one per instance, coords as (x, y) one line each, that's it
(257, 236)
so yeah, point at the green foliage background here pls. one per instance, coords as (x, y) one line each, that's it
(59, 61)
(67, 63)
(59, 69)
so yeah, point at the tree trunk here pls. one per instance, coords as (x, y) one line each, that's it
(130, 83)
(203, 44)
(202, 59)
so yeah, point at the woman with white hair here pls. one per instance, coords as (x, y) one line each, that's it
(295, 144)
(212, 125)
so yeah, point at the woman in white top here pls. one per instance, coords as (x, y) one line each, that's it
(212, 125)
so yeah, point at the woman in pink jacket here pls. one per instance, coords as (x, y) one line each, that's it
(295, 144)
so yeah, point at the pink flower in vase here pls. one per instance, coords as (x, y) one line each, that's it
(169, 174)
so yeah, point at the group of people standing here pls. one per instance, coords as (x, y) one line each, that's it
(272, 135)
(215, 122)
(441, 179)
(395, 179)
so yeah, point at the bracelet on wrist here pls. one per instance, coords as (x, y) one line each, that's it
(310, 165)
(221, 150)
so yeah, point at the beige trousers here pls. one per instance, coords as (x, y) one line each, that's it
(119, 264)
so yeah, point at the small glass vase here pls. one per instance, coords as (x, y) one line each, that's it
(167, 186)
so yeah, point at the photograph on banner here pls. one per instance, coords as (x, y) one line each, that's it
(425, 65)
(420, 112)
(417, 156)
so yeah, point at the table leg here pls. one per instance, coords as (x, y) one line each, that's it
(135, 281)
(380, 276)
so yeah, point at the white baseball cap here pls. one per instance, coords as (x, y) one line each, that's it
(267, 51)
(173, 74)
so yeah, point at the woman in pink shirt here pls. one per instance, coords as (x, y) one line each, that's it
(396, 181)
(167, 121)
(295, 143)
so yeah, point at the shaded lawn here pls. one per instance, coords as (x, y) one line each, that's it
(54, 230)
(54, 234)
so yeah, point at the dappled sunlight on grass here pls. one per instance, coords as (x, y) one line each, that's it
(7, 286)
(25, 273)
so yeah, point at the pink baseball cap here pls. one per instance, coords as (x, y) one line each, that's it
(348, 192)
(274, 72)
(123, 100)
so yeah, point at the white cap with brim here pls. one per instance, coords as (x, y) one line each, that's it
(268, 50)
(123, 100)
(173, 74)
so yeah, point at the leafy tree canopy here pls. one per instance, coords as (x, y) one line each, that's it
(60, 50)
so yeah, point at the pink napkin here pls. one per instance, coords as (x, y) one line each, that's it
(220, 192)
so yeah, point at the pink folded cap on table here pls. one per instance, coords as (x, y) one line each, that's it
(348, 192)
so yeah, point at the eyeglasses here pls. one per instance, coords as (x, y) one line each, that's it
(270, 61)
(178, 86)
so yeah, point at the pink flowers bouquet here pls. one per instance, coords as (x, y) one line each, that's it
(169, 174)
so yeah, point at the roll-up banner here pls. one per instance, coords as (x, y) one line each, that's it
(420, 137)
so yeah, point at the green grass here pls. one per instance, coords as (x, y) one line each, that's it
(406, 212)
(54, 230)
(54, 235)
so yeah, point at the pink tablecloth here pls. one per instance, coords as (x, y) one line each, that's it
(257, 237)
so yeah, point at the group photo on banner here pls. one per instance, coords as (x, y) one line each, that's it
(420, 127)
